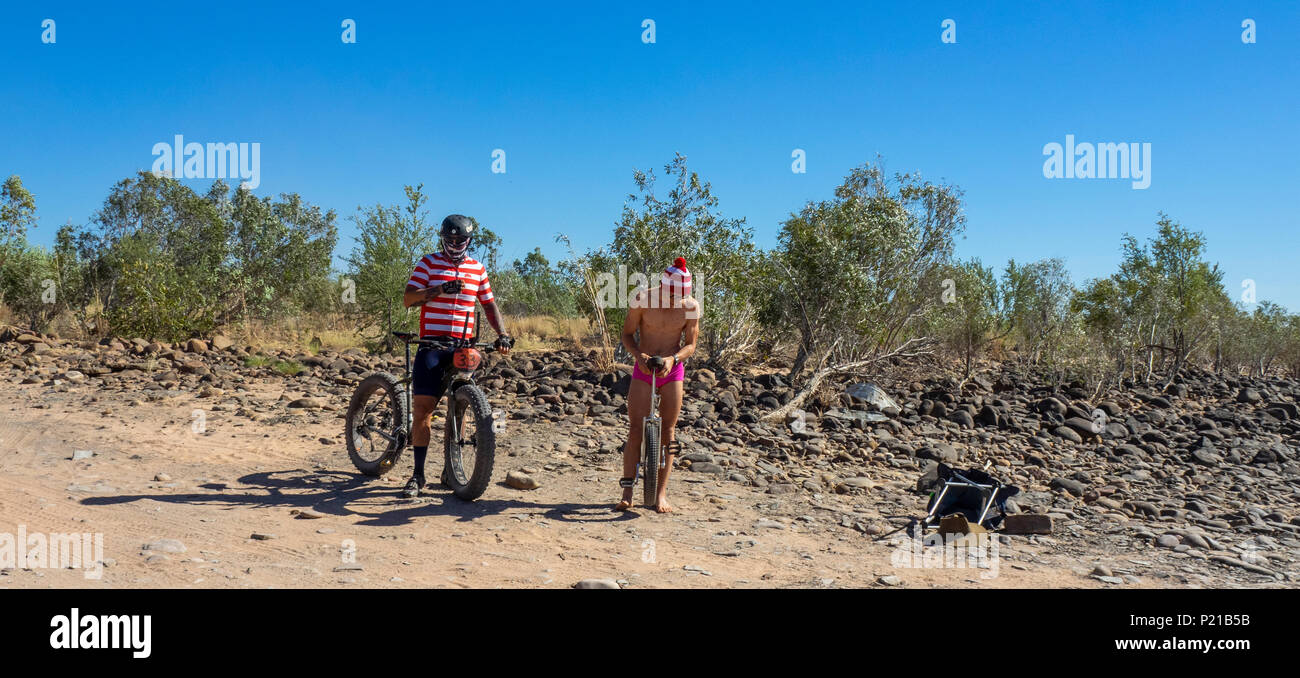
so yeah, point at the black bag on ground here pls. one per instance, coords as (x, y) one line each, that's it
(962, 496)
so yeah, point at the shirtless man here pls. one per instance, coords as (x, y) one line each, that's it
(668, 320)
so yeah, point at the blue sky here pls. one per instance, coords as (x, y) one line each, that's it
(577, 101)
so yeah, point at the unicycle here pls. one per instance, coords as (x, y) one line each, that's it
(652, 456)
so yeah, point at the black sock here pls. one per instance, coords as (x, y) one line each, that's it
(420, 452)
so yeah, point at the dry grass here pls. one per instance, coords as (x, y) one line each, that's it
(316, 333)
(542, 332)
(310, 333)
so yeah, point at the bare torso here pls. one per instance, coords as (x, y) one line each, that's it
(661, 328)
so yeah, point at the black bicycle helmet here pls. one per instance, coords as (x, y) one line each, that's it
(457, 231)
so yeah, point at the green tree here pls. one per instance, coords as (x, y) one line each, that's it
(974, 315)
(532, 286)
(858, 271)
(719, 251)
(390, 241)
(281, 253)
(1037, 297)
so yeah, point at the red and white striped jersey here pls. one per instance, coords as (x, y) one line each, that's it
(450, 315)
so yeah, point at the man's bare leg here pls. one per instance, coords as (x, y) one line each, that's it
(670, 406)
(638, 406)
(422, 408)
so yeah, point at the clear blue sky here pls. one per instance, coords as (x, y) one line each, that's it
(577, 101)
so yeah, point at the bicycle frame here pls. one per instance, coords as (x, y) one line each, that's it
(452, 379)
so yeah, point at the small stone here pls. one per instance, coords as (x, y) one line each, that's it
(307, 513)
(261, 536)
(1027, 523)
(521, 481)
(162, 478)
(890, 580)
(82, 454)
(165, 546)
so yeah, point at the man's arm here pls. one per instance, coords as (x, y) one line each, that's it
(692, 336)
(630, 325)
(494, 318)
(418, 295)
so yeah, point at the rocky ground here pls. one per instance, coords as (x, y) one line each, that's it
(202, 472)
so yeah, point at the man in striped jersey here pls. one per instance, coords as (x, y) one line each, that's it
(446, 284)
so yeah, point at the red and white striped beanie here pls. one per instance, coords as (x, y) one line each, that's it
(678, 278)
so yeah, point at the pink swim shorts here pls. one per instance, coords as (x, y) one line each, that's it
(677, 373)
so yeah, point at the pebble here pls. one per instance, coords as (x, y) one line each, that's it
(165, 546)
(521, 481)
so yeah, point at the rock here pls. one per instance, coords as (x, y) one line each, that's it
(221, 342)
(165, 546)
(1067, 433)
(162, 478)
(1207, 456)
(963, 418)
(307, 403)
(521, 481)
(1074, 487)
(261, 536)
(597, 584)
(767, 523)
(82, 454)
(1248, 395)
(307, 514)
(1228, 560)
(196, 346)
(859, 483)
(943, 452)
(1053, 405)
(1027, 523)
(872, 395)
(1167, 541)
(890, 580)
(1084, 427)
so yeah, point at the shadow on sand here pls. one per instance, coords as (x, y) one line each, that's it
(345, 493)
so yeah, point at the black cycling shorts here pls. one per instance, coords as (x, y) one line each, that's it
(428, 372)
